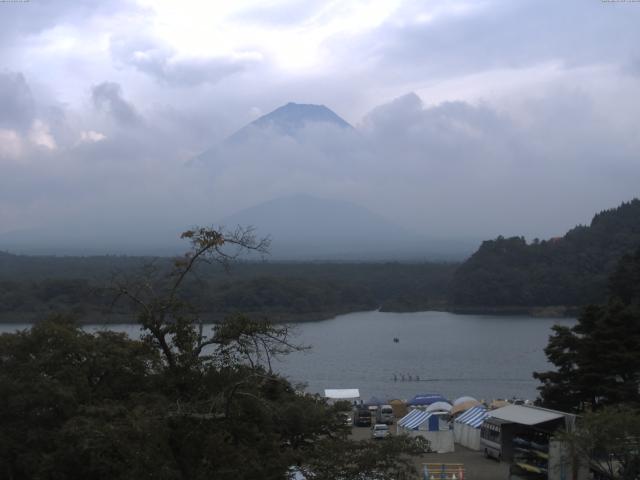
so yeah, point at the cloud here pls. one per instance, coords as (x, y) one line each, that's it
(17, 107)
(161, 62)
(40, 135)
(10, 144)
(523, 121)
(107, 96)
(281, 14)
(91, 136)
(24, 19)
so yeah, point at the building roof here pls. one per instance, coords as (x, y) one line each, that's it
(426, 399)
(414, 419)
(439, 406)
(342, 393)
(526, 415)
(473, 417)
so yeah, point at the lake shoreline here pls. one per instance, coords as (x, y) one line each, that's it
(101, 318)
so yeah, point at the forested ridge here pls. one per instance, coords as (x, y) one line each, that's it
(571, 270)
(504, 275)
(30, 286)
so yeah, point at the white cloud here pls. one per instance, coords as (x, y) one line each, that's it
(10, 144)
(91, 136)
(40, 135)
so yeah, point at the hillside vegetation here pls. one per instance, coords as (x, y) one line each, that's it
(30, 286)
(570, 271)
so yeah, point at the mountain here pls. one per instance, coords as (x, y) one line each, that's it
(303, 227)
(571, 270)
(288, 120)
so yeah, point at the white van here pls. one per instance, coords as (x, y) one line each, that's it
(491, 438)
(385, 414)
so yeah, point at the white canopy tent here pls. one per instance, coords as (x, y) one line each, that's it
(418, 423)
(342, 393)
(466, 428)
(439, 407)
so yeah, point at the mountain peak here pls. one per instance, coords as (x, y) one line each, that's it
(289, 119)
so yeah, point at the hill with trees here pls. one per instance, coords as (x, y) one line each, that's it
(566, 271)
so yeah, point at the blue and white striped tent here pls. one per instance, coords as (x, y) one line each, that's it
(466, 428)
(473, 417)
(416, 418)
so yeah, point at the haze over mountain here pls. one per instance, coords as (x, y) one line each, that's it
(311, 127)
(503, 135)
(306, 227)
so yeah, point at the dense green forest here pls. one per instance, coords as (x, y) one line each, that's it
(569, 271)
(30, 286)
(180, 403)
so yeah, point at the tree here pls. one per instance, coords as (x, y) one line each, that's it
(181, 403)
(598, 360)
(609, 439)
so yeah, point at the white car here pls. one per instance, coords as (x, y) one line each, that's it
(380, 430)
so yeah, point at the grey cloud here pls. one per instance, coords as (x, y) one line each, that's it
(160, 62)
(504, 34)
(17, 107)
(449, 169)
(108, 96)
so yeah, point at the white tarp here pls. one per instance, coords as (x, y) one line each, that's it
(342, 393)
(525, 415)
(466, 428)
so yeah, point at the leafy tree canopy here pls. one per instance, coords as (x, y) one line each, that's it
(598, 360)
(181, 403)
(571, 270)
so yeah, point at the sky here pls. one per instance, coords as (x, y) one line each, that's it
(473, 118)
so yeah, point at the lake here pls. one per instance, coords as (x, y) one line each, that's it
(484, 356)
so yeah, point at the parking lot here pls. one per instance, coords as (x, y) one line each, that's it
(476, 466)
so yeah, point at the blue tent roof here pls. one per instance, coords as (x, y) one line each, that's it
(474, 417)
(415, 418)
(375, 401)
(426, 399)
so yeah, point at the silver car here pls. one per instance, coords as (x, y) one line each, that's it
(380, 430)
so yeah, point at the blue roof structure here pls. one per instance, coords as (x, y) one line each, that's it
(426, 399)
(473, 417)
(375, 401)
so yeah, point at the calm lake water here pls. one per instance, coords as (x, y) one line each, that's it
(479, 355)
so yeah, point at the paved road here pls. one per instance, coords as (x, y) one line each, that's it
(476, 466)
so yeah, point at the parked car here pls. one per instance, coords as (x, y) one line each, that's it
(380, 430)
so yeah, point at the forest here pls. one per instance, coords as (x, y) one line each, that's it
(31, 286)
(570, 271)
(505, 275)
